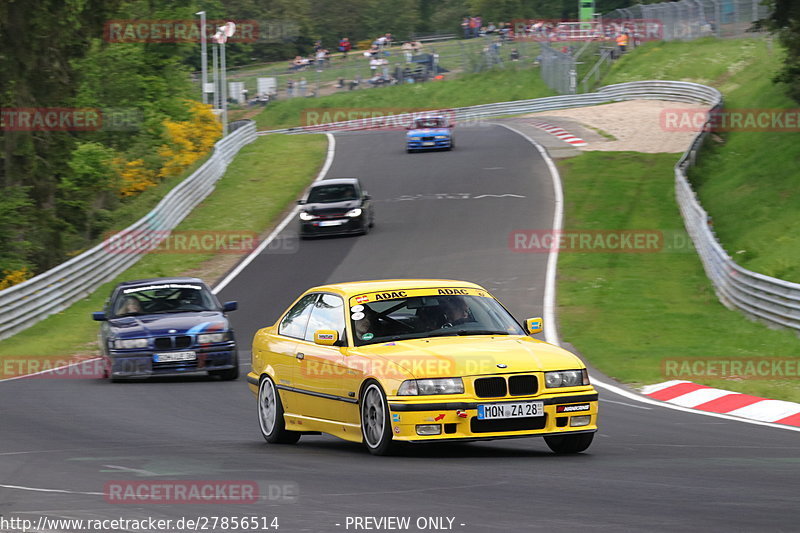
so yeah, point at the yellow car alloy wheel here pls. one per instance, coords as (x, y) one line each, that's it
(375, 426)
(270, 415)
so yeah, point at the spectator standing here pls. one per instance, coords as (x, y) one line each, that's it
(465, 27)
(302, 86)
(345, 46)
(320, 55)
(622, 42)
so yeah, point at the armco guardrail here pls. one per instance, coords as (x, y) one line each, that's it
(762, 297)
(663, 90)
(27, 303)
(759, 296)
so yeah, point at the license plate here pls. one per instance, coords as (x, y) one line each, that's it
(491, 411)
(429, 143)
(326, 223)
(174, 356)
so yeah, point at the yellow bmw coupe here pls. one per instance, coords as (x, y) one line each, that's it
(382, 362)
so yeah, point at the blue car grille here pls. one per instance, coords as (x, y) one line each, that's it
(172, 343)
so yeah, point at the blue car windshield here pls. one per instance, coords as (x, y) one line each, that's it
(326, 194)
(430, 123)
(163, 298)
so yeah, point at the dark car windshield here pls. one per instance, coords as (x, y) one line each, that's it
(325, 194)
(430, 123)
(163, 298)
(430, 316)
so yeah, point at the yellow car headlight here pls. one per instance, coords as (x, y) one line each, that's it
(425, 387)
(566, 378)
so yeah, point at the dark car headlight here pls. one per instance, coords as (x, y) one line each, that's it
(307, 216)
(353, 213)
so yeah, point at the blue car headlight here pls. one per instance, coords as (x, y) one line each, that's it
(129, 344)
(442, 137)
(211, 338)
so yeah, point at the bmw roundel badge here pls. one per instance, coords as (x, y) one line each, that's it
(501, 365)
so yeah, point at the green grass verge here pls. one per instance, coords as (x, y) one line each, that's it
(262, 180)
(628, 313)
(497, 85)
(749, 182)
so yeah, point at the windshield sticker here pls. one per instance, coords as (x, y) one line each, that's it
(357, 308)
(407, 293)
(164, 286)
(367, 336)
(357, 316)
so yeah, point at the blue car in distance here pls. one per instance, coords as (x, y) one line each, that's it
(430, 133)
(166, 326)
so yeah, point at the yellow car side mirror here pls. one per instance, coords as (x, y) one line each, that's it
(326, 337)
(534, 325)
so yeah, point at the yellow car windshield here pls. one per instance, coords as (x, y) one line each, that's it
(380, 317)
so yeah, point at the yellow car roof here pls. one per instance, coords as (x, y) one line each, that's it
(353, 288)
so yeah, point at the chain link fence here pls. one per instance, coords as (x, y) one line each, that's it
(691, 19)
(567, 73)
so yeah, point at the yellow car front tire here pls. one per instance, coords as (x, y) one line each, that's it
(270, 415)
(376, 426)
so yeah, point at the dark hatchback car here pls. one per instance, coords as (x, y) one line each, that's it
(166, 326)
(336, 206)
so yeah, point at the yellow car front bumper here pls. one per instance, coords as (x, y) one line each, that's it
(562, 414)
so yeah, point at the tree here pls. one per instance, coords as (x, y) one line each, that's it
(785, 23)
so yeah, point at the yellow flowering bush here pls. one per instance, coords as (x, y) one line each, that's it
(12, 277)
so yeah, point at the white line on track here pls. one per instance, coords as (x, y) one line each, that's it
(285, 222)
(550, 329)
(57, 491)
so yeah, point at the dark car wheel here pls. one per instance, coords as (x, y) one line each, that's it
(566, 444)
(270, 415)
(229, 374)
(376, 427)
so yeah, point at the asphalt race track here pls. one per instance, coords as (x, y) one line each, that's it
(445, 215)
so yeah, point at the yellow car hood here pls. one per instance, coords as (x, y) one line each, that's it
(472, 355)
